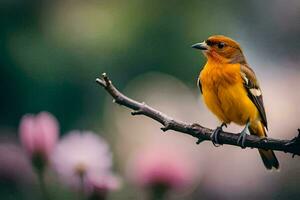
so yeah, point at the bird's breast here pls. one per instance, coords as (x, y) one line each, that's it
(215, 76)
(224, 93)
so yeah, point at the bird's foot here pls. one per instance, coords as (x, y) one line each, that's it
(214, 136)
(242, 138)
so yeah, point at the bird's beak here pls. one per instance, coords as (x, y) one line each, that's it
(201, 46)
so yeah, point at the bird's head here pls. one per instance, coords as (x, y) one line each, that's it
(222, 49)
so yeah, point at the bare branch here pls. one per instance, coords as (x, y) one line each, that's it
(196, 130)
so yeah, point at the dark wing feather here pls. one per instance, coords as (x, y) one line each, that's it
(254, 92)
(199, 82)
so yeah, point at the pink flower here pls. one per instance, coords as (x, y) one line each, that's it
(14, 166)
(39, 134)
(107, 182)
(159, 165)
(99, 185)
(81, 155)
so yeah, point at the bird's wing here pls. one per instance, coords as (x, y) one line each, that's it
(254, 92)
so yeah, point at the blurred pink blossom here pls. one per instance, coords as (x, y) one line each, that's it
(104, 182)
(82, 155)
(100, 184)
(159, 165)
(39, 134)
(14, 166)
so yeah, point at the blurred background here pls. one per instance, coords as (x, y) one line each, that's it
(52, 51)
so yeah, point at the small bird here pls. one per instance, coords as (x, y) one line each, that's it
(231, 91)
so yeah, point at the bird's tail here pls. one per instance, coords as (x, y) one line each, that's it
(268, 156)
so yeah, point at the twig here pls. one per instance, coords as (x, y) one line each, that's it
(196, 130)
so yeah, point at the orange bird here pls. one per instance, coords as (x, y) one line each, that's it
(231, 91)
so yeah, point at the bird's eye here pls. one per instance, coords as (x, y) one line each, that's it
(221, 45)
(209, 43)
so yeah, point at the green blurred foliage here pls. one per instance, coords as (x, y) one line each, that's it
(51, 51)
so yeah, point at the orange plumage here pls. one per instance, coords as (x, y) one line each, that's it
(231, 91)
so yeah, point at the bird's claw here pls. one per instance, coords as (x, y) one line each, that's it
(214, 136)
(242, 138)
(243, 135)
